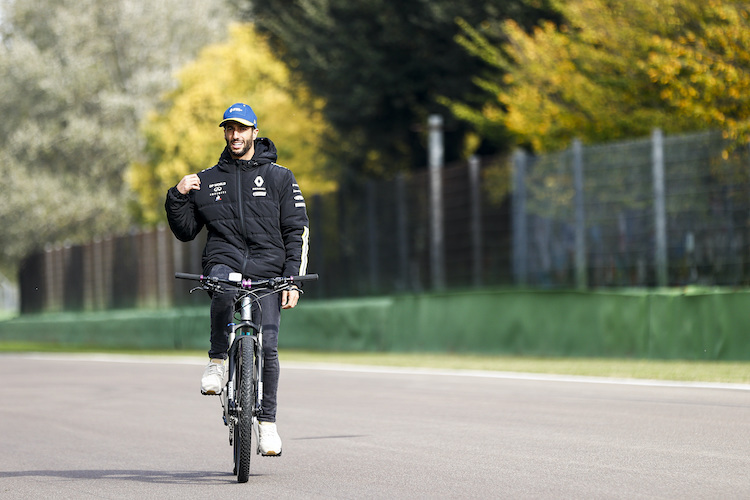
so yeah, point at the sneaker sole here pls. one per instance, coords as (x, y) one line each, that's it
(210, 393)
(271, 454)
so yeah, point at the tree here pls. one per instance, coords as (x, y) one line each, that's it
(615, 69)
(381, 65)
(74, 84)
(705, 71)
(185, 138)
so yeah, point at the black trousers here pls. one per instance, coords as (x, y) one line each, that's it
(269, 309)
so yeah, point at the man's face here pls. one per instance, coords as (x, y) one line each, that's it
(240, 140)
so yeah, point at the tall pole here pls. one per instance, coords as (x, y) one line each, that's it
(402, 224)
(437, 238)
(476, 219)
(580, 216)
(660, 211)
(520, 227)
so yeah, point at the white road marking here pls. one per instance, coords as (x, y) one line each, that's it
(544, 377)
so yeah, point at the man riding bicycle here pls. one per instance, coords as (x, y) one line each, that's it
(257, 225)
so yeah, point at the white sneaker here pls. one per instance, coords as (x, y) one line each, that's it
(269, 440)
(213, 378)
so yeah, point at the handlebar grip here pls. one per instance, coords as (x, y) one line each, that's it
(188, 276)
(306, 277)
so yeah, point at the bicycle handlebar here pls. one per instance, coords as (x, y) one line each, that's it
(247, 284)
(187, 276)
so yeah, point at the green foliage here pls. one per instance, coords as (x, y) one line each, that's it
(615, 69)
(76, 78)
(185, 137)
(381, 66)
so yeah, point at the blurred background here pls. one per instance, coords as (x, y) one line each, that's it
(441, 145)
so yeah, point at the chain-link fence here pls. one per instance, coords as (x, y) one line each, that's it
(657, 211)
(653, 212)
(374, 237)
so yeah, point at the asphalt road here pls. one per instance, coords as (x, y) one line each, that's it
(86, 428)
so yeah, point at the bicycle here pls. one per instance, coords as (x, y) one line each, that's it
(242, 395)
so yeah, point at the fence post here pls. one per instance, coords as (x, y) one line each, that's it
(437, 239)
(660, 212)
(97, 275)
(520, 228)
(402, 219)
(475, 198)
(88, 277)
(580, 216)
(9, 295)
(178, 264)
(372, 241)
(317, 250)
(52, 278)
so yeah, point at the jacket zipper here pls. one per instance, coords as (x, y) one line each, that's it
(241, 216)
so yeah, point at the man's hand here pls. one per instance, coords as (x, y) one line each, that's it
(289, 298)
(188, 183)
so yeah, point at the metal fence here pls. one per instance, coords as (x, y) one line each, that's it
(133, 270)
(374, 237)
(653, 212)
(662, 211)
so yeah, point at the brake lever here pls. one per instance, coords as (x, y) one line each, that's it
(277, 283)
(291, 286)
(212, 285)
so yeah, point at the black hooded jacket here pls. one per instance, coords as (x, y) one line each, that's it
(254, 212)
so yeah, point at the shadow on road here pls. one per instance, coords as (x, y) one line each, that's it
(329, 437)
(143, 476)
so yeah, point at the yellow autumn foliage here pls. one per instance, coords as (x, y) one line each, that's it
(616, 69)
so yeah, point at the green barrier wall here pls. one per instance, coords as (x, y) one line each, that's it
(696, 325)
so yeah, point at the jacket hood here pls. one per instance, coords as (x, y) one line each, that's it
(265, 152)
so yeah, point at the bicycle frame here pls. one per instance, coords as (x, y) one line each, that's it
(244, 331)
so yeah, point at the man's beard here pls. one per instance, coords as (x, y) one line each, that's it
(242, 152)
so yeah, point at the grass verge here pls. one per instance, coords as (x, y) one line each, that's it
(737, 372)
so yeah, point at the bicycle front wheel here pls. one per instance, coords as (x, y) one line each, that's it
(245, 394)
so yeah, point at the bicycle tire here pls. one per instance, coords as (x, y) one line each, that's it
(245, 400)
